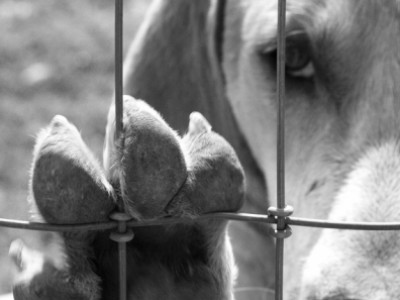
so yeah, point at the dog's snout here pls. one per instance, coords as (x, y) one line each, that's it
(351, 259)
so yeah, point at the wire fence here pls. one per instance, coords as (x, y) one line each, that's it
(280, 216)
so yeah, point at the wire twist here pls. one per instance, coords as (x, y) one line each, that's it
(283, 230)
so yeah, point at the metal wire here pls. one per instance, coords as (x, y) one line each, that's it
(281, 105)
(118, 132)
(118, 66)
(370, 226)
(56, 227)
(122, 236)
(241, 217)
(281, 225)
(122, 270)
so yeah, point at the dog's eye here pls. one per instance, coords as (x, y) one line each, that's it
(298, 61)
(298, 55)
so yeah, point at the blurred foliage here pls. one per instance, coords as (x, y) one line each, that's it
(56, 57)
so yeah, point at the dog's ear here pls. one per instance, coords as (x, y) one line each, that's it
(172, 66)
(173, 62)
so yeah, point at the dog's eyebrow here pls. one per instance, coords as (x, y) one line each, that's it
(272, 44)
(339, 294)
(335, 294)
(307, 8)
(306, 15)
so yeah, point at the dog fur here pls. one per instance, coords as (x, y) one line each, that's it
(150, 172)
(342, 119)
(342, 122)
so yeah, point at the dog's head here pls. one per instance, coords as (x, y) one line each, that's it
(342, 122)
(342, 119)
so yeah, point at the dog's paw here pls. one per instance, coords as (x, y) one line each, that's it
(67, 183)
(41, 277)
(215, 176)
(147, 163)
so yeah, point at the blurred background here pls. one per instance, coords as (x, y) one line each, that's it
(56, 57)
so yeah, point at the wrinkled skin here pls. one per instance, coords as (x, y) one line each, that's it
(342, 127)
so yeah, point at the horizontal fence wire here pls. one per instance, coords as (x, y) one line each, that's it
(241, 217)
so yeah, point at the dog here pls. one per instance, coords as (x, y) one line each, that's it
(342, 121)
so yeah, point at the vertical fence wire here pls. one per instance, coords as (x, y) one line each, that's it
(118, 27)
(122, 236)
(281, 56)
(280, 148)
(118, 66)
